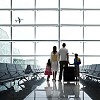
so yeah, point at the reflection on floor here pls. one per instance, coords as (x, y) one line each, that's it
(52, 90)
(19, 92)
(92, 88)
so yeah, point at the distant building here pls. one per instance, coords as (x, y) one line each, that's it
(4, 46)
(5, 49)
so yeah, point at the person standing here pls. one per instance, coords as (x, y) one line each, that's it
(77, 62)
(48, 71)
(64, 59)
(54, 62)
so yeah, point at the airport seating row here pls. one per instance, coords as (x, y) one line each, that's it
(11, 72)
(92, 71)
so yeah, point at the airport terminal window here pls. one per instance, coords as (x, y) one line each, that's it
(71, 3)
(71, 33)
(23, 33)
(71, 17)
(5, 33)
(92, 33)
(4, 17)
(28, 25)
(46, 3)
(93, 4)
(5, 59)
(41, 61)
(23, 3)
(23, 48)
(5, 48)
(92, 17)
(46, 17)
(45, 48)
(91, 60)
(47, 33)
(92, 48)
(24, 60)
(74, 47)
(5, 4)
(27, 17)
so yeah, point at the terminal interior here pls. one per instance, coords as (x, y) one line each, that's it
(28, 31)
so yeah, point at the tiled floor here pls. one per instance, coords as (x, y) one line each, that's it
(54, 90)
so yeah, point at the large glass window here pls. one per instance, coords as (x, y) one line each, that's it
(23, 33)
(23, 60)
(91, 60)
(71, 33)
(23, 3)
(74, 47)
(92, 3)
(47, 3)
(5, 48)
(92, 33)
(42, 61)
(5, 33)
(71, 3)
(30, 28)
(5, 17)
(23, 48)
(71, 17)
(5, 59)
(23, 17)
(47, 33)
(47, 17)
(4, 4)
(45, 48)
(91, 48)
(92, 17)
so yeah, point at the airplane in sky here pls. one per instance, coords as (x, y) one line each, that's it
(18, 20)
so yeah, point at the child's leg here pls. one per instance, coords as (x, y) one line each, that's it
(55, 74)
(77, 71)
(48, 77)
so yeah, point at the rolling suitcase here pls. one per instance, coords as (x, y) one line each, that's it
(68, 74)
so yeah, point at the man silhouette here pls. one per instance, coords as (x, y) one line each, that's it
(64, 59)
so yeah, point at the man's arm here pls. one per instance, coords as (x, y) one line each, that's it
(59, 54)
(68, 57)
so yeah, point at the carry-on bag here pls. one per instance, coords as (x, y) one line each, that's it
(69, 74)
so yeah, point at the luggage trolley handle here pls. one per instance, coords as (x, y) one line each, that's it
(71, 65)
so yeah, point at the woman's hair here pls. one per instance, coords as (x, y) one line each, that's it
(49, 62)
(54, 49)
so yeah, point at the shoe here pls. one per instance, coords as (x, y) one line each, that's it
(59, 80)
(53, 79)
(77, 79)
(47, 79)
